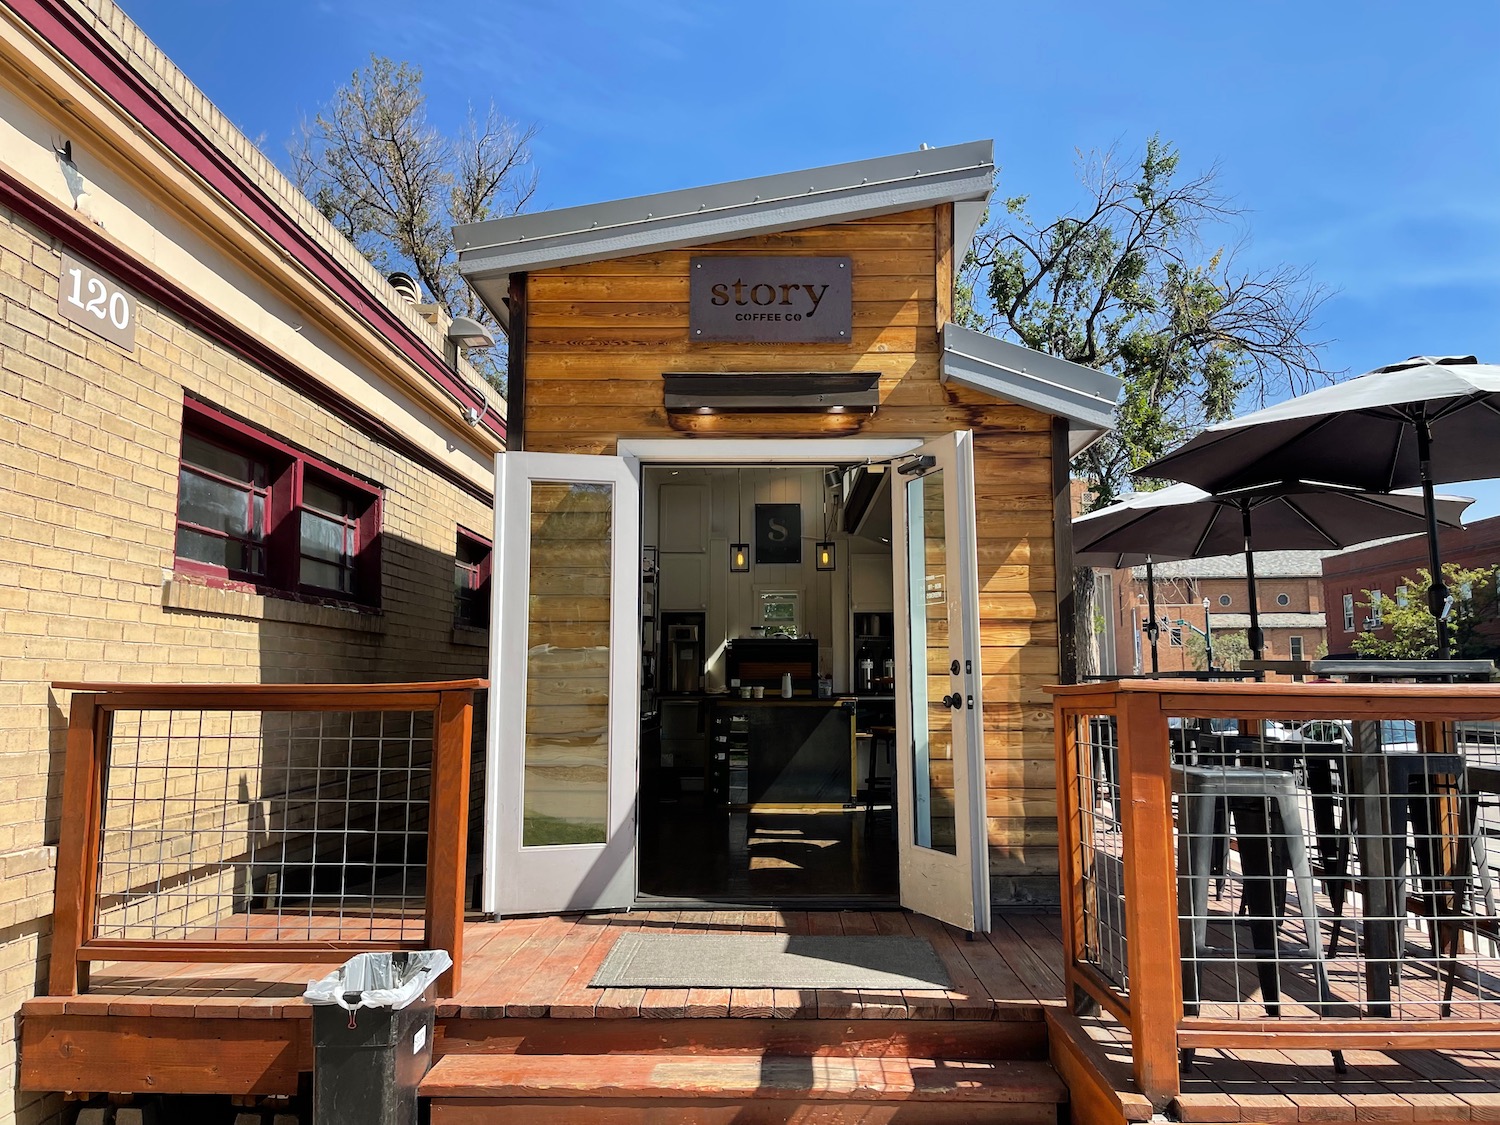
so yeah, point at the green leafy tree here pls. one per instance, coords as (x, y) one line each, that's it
(395, 186)
(1412, 629)
(1230, 647)
(1125, 284)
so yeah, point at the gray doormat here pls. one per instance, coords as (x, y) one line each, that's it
(770, 961)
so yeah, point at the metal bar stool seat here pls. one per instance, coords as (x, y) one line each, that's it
(879, 785)
(1248, 790)
(1444, 858)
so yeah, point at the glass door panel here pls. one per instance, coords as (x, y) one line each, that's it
(560, 812)
(932, 740)
(566, 784)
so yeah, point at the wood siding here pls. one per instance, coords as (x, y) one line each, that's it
(599, 336)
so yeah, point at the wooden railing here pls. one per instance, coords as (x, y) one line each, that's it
(1119, 831)
(261, 823)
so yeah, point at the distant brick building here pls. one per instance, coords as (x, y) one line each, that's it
(1349, 577)
(1291, 607)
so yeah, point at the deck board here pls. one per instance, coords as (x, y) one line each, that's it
(532, 973)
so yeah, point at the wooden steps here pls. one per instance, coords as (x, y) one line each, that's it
(743, 1089)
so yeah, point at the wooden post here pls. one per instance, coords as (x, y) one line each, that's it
(448, 831)
(942, 221)
(1066, 592)
(1150, 895)
(77, 844)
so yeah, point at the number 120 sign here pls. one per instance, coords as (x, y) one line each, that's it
(87, 297)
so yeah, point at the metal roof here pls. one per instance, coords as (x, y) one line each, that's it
(489, 252)
(1085, 397)
(1269, 620)
(1268, 564)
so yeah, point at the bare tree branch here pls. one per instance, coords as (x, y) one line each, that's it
(1125, 283)
(395, 186)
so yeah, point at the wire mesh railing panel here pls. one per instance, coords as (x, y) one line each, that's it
(245, 825)
(1101, 847)
(1336, 868)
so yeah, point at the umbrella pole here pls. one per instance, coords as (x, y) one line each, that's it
(1153, 630)
(1437, 593)
(1253, 635)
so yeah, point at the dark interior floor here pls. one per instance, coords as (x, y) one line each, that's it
(693, 849)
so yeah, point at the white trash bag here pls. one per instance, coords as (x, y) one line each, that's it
(380, 980)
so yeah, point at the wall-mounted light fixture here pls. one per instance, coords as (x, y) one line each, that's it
(467, 332)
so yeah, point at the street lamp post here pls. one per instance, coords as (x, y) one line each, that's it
(1208, 636)
(1206, 633)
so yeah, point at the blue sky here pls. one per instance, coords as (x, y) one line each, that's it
(1361, 138)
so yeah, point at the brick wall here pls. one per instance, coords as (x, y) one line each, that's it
(89, 439)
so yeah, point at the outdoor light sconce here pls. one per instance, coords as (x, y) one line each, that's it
(825, 558)
(467, 332)
(739, 558)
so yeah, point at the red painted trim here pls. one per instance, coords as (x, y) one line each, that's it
(284, 502)
(199, 574)
(483, 540)
(253, 435)
(88, 242)
(87, 51)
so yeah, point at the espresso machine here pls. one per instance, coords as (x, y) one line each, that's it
(874, 652)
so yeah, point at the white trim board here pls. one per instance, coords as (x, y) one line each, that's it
(766, 451)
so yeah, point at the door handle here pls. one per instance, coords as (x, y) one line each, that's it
(954, 701)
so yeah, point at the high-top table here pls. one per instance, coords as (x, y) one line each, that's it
(1370, 810)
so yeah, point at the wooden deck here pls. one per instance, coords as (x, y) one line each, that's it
(1295, 1085)
(245, 1030)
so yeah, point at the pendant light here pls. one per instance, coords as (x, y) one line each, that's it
(824, 553)
(739, 552)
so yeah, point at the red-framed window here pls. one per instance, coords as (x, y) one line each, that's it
(471, 580)
(253, 509)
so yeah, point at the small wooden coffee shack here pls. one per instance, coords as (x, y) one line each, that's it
(781, 552)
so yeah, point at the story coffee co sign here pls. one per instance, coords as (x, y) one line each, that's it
(782, 300)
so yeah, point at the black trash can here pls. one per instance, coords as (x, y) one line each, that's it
(368, 1061)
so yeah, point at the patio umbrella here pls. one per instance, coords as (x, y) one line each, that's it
(1430, 420)
(1185, 522)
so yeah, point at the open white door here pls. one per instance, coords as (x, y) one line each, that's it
(944, 850)
(560, 810)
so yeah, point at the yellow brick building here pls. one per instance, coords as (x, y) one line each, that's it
(258, 351)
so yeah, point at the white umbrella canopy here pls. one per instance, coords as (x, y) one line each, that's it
(1428, 420)
(1185, 522)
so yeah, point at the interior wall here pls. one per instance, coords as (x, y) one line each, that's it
(692, 515)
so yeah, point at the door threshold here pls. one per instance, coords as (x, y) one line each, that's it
(778, 902)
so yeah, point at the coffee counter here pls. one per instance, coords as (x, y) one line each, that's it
(775, 752)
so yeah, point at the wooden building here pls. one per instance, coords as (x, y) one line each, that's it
(680, 363)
